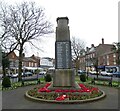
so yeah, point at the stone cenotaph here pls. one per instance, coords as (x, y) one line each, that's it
(64, 74)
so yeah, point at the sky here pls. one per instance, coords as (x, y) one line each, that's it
(89, 20)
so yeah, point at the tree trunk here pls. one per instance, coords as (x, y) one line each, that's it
(77, 66)
(4, 71)
(119, 61)
(20, 64)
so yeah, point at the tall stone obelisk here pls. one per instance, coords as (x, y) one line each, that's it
(64, 74)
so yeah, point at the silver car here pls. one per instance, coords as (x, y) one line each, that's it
(105, 73)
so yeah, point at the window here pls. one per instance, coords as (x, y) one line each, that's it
(91, 56)
(114, 55)
(107, 62)
(107, 56)
(12, 56)
(35, 64)
(29, 64)
(114, 61)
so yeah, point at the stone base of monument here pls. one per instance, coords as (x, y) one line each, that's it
(75, 87)
(64, 79)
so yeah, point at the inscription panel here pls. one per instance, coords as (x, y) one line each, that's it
(63, 55)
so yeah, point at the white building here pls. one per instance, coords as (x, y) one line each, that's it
(46, 62)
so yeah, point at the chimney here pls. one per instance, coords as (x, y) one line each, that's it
(92, 45)
(23, 55)
(102, 40)
(87, 48)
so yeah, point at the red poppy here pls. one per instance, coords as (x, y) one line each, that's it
(58, 90)
(94, 89)
(44, 89)
(82, 86)
(62, 97)
(48, 84)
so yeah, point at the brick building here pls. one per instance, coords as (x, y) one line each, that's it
(32, 61)
(37, 59)
(101, 54)
(108, 59)
(105, 54)
(82, 62)
(13, 60)
(90, 57)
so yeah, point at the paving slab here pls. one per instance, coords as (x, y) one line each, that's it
(14, 99)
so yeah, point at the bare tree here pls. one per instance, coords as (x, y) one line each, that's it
(95, 64)
(78, 47)
(21, 24)
(116, 49)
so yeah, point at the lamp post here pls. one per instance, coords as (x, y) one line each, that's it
(24, 71)
(86, 58)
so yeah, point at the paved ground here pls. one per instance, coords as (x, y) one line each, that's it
(14, 99)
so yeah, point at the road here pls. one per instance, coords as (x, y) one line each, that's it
(15, 79)
(113, 78)
(90, 75)
(14, 99)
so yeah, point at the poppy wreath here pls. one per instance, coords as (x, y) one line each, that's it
(63, 97)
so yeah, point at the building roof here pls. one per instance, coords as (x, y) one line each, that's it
(36, 57)
(103, 48)
(106, 53)
(28, 59)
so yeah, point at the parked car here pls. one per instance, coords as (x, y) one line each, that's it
(9, 75)
(105, 73)
(15, 75)
(42, 73)
(81, 72)
(28, 74)
(51, 71)
(117, 74)
(1, 76)
(92, 72)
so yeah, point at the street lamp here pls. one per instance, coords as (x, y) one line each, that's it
(24, 71)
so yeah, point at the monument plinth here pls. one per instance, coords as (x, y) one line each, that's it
(64, 74)
(64, 89)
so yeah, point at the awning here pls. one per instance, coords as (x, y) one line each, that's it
(33, 68)
(101, 67)
(111, 66)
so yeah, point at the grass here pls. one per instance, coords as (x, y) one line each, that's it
(71, 95)
(42, 81)
(19, 84)
(88, 81)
